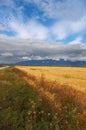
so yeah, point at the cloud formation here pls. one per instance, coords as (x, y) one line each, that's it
(14, 50)
(32, 29)
(31, 18)
(64, 29)
(63, 21)
(65, 9)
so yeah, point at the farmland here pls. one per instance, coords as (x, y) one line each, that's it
(43, 98)
(71, 76)
(64, 88)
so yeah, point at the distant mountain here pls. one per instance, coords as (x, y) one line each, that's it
(50, 62)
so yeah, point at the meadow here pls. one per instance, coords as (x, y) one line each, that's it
(42, 98)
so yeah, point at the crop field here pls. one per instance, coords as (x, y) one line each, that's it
(42, 98)
(64, 89)
(71, 76)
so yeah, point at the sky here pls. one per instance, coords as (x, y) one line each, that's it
(42, 29)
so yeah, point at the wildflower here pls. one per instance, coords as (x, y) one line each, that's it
(42, 111)
(49, 114)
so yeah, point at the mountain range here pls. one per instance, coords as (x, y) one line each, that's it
(50, 62)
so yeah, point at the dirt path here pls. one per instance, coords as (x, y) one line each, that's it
(1, 68)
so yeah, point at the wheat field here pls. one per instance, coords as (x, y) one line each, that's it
(63, 89)
(71, 76)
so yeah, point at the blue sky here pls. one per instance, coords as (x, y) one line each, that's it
(48, 22)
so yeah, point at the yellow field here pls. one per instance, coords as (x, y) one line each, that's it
(63, 89)
(71, 76)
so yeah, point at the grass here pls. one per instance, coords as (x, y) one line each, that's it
(66, 103)
(21, 108)
(1, 65)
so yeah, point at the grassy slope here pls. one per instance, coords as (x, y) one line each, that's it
(20, 107)
(24, 107)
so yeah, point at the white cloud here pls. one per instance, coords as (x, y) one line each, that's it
(70, 16)
(63, 29)
(67, 9)
(6, 54)
(78, 40)
(60, 30)
(33, 57)
(26, 58)
(79, 25)
(69, 19)
(2, 28)
(32, 29)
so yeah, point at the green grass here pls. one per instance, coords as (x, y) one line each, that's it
(20, 107)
